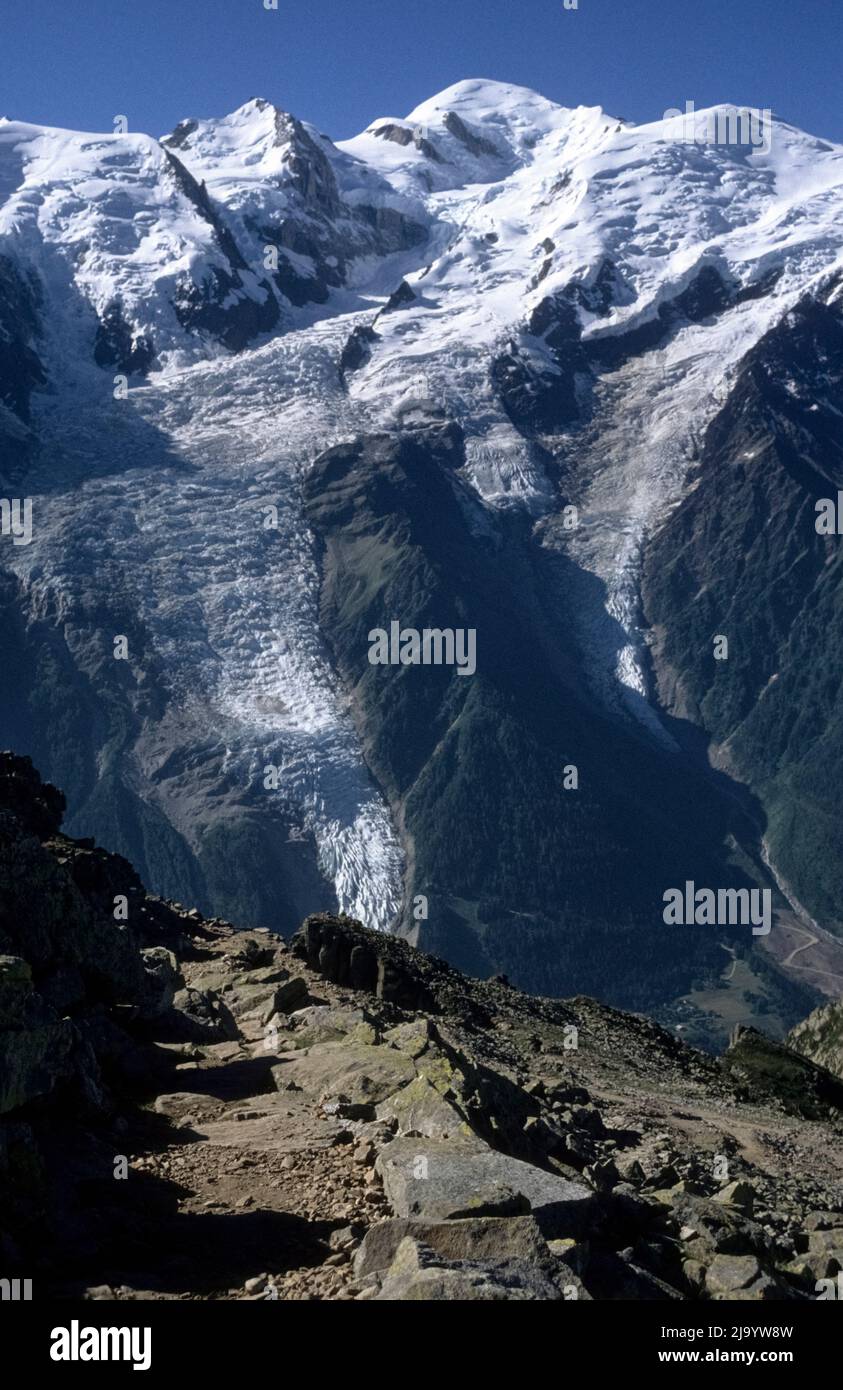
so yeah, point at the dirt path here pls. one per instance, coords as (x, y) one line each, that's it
(812, 941)
(733, 953)
(817, 953)
(240, 1184)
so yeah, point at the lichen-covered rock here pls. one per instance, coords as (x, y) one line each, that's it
(162, 979)
(447, 1179)
(728, 1273)
(420, 1108)
(363, 1073)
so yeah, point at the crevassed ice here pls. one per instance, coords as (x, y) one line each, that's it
(231, 606)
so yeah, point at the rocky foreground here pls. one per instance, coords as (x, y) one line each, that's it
(192, 1112)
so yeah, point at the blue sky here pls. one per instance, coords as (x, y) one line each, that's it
(341, 63)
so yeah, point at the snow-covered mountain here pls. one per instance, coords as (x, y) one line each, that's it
(577, 294)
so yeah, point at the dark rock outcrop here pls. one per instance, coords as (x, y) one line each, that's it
(118, 345)
(21, 369)
(820, 1037)
(742, 556)
(400, 298)
(407, 135)
(220, 304)
(777, 1073)
(475, 144)
(358, 348)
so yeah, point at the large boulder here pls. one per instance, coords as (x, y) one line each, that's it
(363, 1073)
(161, 981)
(446, 1179)
(418, 1273)
(420, 1108)
(200, 1016)
(484, 1240)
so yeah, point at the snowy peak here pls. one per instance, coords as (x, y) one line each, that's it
(260, 151)
(115, 227)
(435, 152)
(503, 116)
(256, 142)
(302, 209)
(472, 133)
(623, 219)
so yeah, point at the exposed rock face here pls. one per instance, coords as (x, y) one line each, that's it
(357, 349)
(21, 370)
(322, 228)
(407, 135)
(208, 308)
(775, 1072)
(475, 144)
(219, 304)
(36, 1045)
(180, 137)
(82, 947)
(349, 956)
(399, 299)
(549, 399)
(117, 345)
(308, 168)
(742, 557)
(54, 911)
(20, 366)
(820, 1037)
(415, 1135)
(554, 395)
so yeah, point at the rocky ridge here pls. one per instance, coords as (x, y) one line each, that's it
(820, 1037)
(188, 1111)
